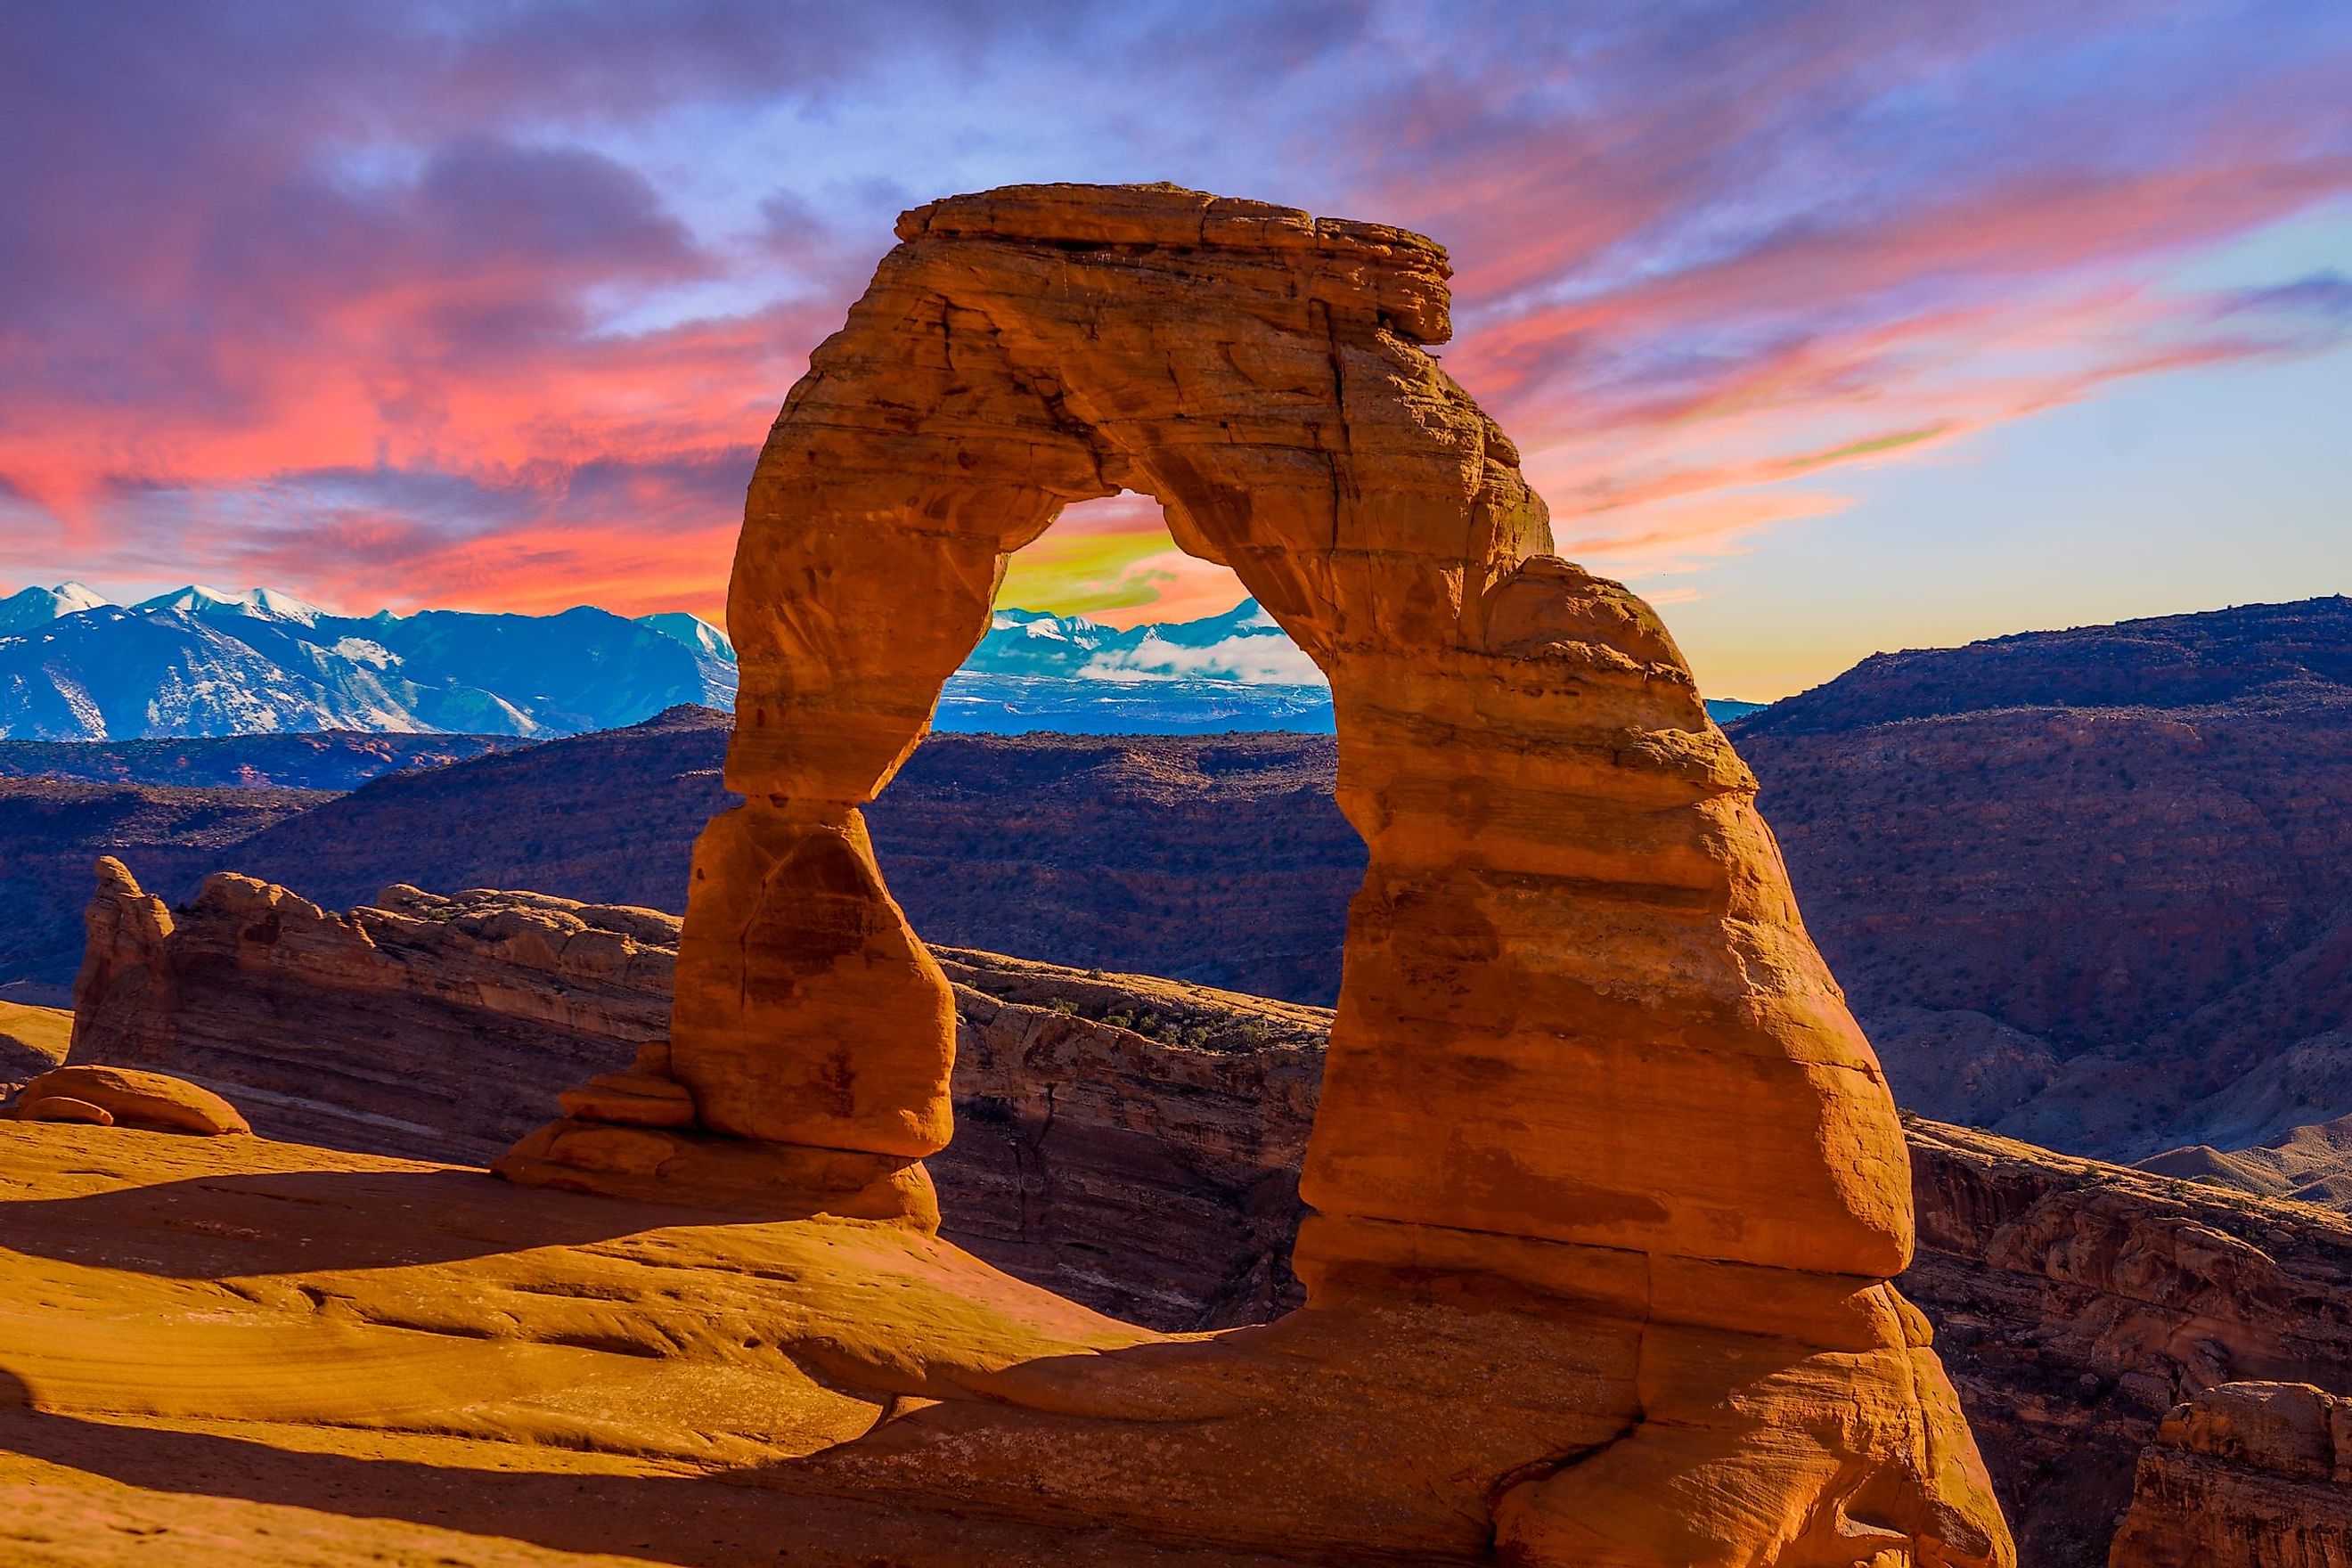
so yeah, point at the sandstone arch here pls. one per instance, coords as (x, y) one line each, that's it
(1588, 1068)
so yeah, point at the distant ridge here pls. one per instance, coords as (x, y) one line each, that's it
(2160, 662)
(198, 661)
(205, 662)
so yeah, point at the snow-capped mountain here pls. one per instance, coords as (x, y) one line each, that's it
(693, 631)
(257, 605)
(201, 662)
(1237, 671)
(1242, 645)
(39, 607)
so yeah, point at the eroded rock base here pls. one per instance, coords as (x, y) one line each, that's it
(333, 1322)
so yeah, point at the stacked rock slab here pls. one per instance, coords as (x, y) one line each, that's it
(1600, 1151)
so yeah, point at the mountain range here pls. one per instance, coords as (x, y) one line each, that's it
(198, 662)
(2085, 887)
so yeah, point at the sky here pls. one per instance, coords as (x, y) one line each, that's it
(1831, 327)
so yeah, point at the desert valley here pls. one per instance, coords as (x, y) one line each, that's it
(2078, 884)
(1640, 859)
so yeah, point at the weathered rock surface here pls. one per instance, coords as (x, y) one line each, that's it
(404, 1025)
(1132, 1142)
(219, 1352)
(32, 1039)
(2120, 846)
(1574, 960)
(2249, 1475)
(50, 828)
(1947, 815)
(61, 1107)
(2076, 1303)
(1133, 1145)
(1110, 851)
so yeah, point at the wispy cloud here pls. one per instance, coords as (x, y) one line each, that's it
(396, 304)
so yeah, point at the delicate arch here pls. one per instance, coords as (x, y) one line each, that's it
(1549, 813)
(1594, 1108)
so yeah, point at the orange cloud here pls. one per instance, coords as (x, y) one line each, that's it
(379, 344)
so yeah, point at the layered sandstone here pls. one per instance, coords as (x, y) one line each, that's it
(2249, 1475)
(216, 1352)
(2076, 1303)
(2085, 886)
(32, 1039)
(110, 1096)
(1134, 1143)
(419, 1024)
(1580, 1036)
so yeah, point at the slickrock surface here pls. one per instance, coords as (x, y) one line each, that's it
(2250, 1475)
(1574, 962)
(215, 1353)
(1132, 1142)
(1152, 1175)
(106, 1096)
(32, 1039)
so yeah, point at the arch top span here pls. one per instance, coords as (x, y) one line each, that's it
(1256, 369)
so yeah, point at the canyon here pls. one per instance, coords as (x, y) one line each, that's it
(2085, 886)
(1945, 830)
(1532, 1330)
(1445, 1279)
(1133, 1145)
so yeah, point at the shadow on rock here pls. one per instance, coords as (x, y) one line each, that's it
(695, 1521)
(211, 1228)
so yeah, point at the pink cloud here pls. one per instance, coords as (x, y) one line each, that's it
(328, 297)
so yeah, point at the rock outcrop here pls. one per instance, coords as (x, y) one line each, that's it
(50, 828)
(2075, 1303)
(404, 1025)
(2085, 886)
(1598, 1139)
(2249, 1475)
(32, 1039)
(1134, 1144)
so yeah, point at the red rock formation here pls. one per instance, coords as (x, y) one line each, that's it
(1134, 1144)
(1587, 1072)
(2078, 882)
(2076, 1303)
(411, 1027)
(2249, 1475)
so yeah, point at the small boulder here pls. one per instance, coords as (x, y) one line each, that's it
(64, 1107)
(135, 1098)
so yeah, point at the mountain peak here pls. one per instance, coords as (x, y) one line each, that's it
(33, 607)
(259, 603)
(692, 630)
